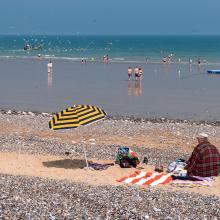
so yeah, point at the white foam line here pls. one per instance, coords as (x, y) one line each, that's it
(100, 60)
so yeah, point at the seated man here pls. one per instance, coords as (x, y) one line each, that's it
(205, 159)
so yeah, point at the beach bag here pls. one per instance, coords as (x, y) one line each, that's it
(126, 158)
(176, 167)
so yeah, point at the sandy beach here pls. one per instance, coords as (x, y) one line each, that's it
(71, 170)
(88, 88)
(35, 170)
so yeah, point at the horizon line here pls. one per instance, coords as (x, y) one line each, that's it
(132, 35)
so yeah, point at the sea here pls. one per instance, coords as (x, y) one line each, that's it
(178, 90)
(121, 48)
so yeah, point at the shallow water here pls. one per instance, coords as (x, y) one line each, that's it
(174, 91)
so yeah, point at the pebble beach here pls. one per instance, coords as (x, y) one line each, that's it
(161, 141)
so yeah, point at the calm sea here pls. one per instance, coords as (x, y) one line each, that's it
(121, 48)
(176, 90)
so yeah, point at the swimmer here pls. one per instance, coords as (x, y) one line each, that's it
(140, 73)
(190, 61)
(136, 73)
(83, 61)
(164, 60)
(129, 73)
(105, 58)
(49, 67)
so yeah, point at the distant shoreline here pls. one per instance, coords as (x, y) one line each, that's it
(112, 60)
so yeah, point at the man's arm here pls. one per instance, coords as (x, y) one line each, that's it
(192, 162)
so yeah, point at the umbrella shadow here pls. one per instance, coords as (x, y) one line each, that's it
(67, 163)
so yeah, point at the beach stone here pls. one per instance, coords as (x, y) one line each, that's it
(31, 113)
(36, 198)
(9, 112)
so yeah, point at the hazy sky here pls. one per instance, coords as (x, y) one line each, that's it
(109, 17)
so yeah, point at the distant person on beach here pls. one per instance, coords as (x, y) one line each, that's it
(129, 73)
(199, 62)
(136, 73)
(190, 61)
(105, 58)
(168, 59)
(83, 61)
(140, 73)
(164, 60)
(205, 159)
(49, 67)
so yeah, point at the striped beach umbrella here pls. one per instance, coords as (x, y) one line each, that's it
(75, 116)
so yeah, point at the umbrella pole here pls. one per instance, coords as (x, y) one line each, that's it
(87, 165)
(84, 150)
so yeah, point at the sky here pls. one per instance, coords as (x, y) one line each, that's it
(115, 17)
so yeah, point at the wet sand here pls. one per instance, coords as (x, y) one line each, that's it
(173, 91)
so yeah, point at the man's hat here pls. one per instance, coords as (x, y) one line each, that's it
(202, 135)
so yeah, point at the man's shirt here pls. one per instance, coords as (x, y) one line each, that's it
(204, 161)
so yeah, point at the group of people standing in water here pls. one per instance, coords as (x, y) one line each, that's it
(138, 73)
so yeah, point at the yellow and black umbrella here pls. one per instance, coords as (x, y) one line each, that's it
(75, 116)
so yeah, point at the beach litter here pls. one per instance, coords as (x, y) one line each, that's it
(99, 166)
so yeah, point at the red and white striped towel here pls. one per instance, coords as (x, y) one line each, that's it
(146, 178)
